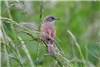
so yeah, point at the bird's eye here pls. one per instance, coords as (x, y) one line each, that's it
(52, 17)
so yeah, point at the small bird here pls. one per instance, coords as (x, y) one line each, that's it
(49, 28)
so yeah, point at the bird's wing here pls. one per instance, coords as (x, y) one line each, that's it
(49, 31)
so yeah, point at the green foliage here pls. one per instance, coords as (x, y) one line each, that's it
(77, 33)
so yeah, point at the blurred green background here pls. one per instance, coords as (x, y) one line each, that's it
(82, 18)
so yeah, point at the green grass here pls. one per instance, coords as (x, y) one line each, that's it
(77, 34)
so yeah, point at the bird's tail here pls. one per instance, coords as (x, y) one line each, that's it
(51, 49)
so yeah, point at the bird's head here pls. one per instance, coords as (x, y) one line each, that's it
(50, 19)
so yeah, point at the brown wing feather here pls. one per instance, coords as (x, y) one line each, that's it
(50, 31)
(53, 34)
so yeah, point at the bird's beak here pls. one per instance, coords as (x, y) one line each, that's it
(57, 19)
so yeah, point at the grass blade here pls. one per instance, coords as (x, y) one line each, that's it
(27, 53)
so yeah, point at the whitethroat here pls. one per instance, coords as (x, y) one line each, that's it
(49, 28)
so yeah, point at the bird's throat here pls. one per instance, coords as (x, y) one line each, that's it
(53, 21)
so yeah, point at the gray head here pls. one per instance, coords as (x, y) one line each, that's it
(50, 19)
